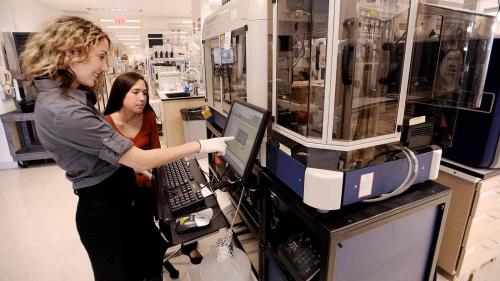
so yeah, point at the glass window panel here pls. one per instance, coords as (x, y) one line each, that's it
(471, 5)
(448, 67)
(318, 68)
(212, 71)
(370, 62)
(301, 65)
(233, 70)
(450, 57)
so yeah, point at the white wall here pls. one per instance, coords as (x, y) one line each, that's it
(202, 8)
(24, 15)
(6, 105)
(20, 16)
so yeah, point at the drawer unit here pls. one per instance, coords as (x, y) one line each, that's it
(472, 232)
(480, 253)
(488, 271)
(484, 226)
(489, 197)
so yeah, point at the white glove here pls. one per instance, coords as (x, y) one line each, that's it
(214, 145)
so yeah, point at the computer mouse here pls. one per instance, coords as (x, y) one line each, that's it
(194, 221)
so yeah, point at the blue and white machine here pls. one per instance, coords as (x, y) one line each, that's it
(338, 101)
(476, 139)
(344, 88)
(454, 83)
(347, 85)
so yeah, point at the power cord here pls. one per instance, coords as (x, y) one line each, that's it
(410, 178)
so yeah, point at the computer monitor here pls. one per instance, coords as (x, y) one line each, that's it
(247, 123)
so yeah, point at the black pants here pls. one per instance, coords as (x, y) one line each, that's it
(115, 222)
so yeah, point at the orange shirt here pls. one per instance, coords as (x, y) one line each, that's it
(146, 138)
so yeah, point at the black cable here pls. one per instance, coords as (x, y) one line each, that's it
(404, 34)
(382, 154)
(212, 185)
(210, 181)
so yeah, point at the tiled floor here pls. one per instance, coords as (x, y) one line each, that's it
(38, 237)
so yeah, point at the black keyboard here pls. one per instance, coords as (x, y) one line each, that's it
(178, 184)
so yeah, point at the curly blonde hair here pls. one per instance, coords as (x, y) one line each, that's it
(46, 53)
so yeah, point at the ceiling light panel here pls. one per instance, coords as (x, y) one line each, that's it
(123, 26)
(128, 37)
(127, 21)
(114, 10)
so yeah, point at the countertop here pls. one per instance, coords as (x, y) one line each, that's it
(163, 96)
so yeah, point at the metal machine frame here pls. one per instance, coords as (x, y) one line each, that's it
(253, 17)
(282, 215)
(332, 164)
(326, 142)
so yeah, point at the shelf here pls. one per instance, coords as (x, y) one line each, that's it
(284, 102)
(16, 116)
(155, 60)
(31, 153)
(286, 269)
(289, 103)
(28, 152)
(215, 131)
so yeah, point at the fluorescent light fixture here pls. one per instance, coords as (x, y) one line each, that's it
(123, 26)
(128, 36)
(127, 21)
(114, 10)
(187, 21)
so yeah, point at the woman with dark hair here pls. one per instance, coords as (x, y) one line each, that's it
(129, 112)
(114, 218)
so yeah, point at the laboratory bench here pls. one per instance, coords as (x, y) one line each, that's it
(172, 123)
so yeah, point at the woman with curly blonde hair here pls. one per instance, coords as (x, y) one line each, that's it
(114, 217)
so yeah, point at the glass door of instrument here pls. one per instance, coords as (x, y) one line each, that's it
(450, 57)
(370, 59)
(233, 70)
(213, 64)
(302, 28)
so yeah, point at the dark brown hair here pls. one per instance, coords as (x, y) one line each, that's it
(123, 83)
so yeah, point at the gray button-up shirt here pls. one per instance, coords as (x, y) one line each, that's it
(78, 136)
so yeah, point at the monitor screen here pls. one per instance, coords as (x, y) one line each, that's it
(247, 123)
(216, 56)
(227, 56)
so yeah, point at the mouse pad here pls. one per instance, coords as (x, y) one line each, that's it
(217, 222)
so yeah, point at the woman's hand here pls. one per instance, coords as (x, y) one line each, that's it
(214, 145)
(139, 159)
